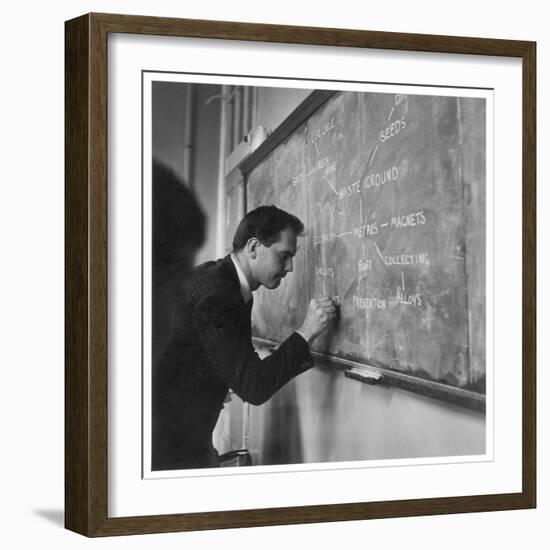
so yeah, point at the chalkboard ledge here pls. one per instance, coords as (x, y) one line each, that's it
(375, 374)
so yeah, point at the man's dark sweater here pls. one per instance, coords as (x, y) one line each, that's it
(209, 351)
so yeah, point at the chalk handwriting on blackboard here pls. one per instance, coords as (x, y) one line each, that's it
(422, 258)
(393, 129)
(318, 133)
(378, 180)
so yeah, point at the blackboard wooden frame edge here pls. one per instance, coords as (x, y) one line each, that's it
(86, 475)
(305, 109)
(447, 394)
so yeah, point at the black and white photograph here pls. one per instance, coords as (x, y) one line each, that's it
(317, 274)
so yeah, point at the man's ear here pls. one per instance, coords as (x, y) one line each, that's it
(252, 247)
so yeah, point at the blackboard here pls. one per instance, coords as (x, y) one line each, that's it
(391, 189)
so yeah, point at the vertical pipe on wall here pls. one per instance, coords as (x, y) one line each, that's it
(188, 135)
(220, 214)
(221, 436)
(254, 110)
(246, 110)
(237, 117)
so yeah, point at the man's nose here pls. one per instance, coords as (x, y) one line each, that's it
(288, 265)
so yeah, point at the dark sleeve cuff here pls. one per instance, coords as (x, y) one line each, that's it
(302, 350)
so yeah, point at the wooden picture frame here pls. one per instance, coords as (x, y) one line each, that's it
(86, 283)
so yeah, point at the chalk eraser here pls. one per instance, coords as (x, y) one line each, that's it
(364, 375)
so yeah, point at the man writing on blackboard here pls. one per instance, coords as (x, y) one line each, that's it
(211, 351)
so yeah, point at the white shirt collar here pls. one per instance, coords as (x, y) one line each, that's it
(246, 293)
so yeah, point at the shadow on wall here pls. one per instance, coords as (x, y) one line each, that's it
(178, 231)
(283, 441)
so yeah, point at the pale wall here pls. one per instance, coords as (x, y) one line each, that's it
(322, 416)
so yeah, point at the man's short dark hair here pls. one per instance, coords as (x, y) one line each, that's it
(265, 223)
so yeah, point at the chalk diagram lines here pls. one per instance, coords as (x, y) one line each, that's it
(330, 185)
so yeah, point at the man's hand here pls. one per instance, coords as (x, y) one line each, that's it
(318, 315)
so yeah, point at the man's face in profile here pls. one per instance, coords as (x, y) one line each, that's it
(275, 261)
